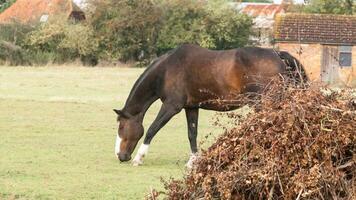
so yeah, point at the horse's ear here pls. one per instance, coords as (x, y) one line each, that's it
(120, 113)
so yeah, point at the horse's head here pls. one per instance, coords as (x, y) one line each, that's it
(130, 131)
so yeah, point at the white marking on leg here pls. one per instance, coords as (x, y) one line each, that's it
(142, 151)
(192, 159)
(117, 145)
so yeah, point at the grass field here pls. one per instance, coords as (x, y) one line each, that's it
(57, 134)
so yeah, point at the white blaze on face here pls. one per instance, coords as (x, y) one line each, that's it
(117, 145)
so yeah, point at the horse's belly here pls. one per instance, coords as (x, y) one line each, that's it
(216, 88)
(218, 107)
(226, 101)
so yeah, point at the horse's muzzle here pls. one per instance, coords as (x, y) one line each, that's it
(123, 157)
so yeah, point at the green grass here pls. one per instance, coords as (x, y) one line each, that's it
(58, 130)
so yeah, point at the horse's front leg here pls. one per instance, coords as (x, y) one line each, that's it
(192, 122)
(167, 111)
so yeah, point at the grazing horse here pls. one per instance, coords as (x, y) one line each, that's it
(188, 78)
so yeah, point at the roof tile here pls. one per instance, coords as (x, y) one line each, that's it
(31, 10)
(316, 28)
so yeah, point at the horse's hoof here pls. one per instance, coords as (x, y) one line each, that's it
(136, 163)
(190, 163)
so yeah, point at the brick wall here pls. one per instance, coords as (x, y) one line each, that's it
(310, 57)
(353, 76)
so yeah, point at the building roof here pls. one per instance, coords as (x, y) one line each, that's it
(26, 11)
(316, 28)
(263, 13)
(262, 9)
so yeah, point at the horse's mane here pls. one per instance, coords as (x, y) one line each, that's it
(154, 63)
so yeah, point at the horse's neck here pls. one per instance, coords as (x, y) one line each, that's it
(142, 94)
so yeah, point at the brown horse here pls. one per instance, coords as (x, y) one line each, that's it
(188, 78)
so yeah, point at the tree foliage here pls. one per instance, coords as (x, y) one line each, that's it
(258, 1)
(214, 25)
(135, 30)
(126, 29)
(227, 28)
(347, 7)
(66, 39)
(141, 29)
(12, 39)
(4, 4)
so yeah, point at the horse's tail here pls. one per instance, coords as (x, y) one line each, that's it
(293, 67)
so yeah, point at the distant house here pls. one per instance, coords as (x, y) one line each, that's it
(32, 11)
(325, 44)
(263, 17)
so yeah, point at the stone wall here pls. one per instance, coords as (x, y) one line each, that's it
(310, 55)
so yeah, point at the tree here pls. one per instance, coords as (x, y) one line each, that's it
(12, 37)
(127, 29)
(4, 4)
(212, 24)
(330, 7)
(227, 28)
(258, 1)
(141, 29)
(67, 40)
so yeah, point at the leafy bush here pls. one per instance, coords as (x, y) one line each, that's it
(182, 24)
(4, 4)
(213, 25)
(126, 29)
(11, 54)
(12, 37)
(14, 32)
(65, 39)
(343, 7)
(129, 30)
(41, 57)
(140, 29)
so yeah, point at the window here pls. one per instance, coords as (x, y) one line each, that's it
(345, 56)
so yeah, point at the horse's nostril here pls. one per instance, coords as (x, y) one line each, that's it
(124, 157)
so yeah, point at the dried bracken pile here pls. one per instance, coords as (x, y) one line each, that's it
(300, 145)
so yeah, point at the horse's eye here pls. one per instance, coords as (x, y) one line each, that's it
(121, 127)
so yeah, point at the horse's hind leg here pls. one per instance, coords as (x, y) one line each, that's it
(192, 121)
(167, 111)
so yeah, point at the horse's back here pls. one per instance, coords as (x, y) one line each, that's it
(202, 74)
(249, 59)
